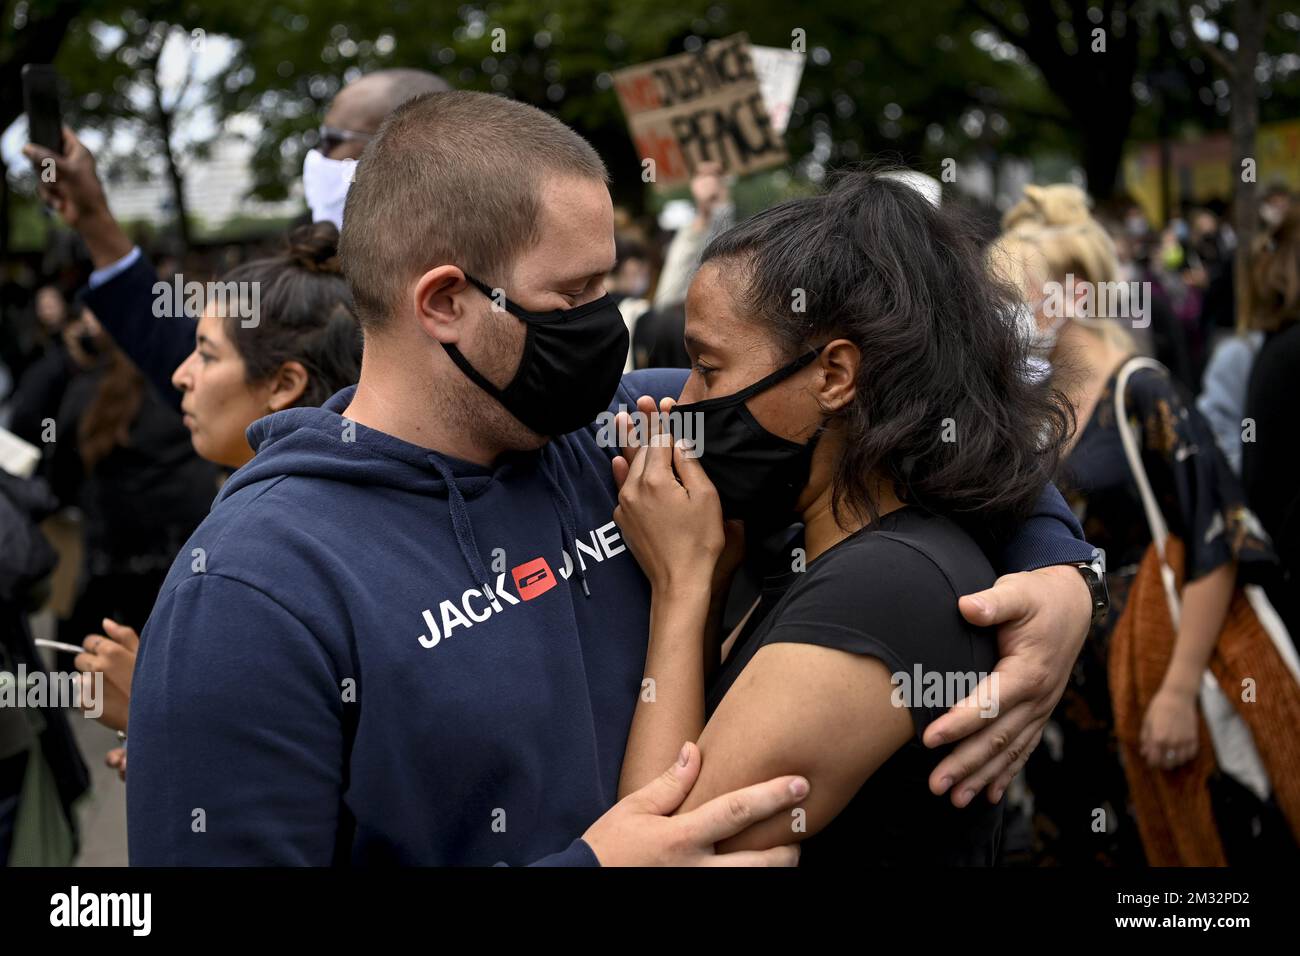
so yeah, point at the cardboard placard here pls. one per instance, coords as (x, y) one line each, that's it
(695, 107)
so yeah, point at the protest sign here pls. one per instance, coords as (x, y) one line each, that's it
(698, 107)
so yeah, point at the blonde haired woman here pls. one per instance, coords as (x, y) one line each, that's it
(1060, 204)
(1051, 237)
(1089, 252)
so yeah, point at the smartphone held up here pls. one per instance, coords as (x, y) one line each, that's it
(41, 102)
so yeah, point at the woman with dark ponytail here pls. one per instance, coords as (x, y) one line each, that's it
(303, 345)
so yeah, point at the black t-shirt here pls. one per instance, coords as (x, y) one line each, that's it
(890, 591)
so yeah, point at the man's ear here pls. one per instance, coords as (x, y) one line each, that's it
(439, 299)
(838, 364)
(287, 386)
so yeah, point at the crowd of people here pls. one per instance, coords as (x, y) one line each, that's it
(868, 434)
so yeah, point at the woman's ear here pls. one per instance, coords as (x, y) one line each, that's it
(287, 386)
(839, 364)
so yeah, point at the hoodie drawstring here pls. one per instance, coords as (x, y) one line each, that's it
(461, 524)
(565, 511)
(464, 528)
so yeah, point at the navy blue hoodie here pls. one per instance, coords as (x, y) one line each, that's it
(372, 653)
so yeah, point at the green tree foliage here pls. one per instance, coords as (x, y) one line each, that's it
(920, 81)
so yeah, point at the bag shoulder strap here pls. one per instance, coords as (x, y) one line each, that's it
(1155, 518)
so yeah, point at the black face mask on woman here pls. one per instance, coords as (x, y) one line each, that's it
(572, 362)
(758, 474)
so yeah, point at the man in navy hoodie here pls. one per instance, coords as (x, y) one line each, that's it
(409, 631)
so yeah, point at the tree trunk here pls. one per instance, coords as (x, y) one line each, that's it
(164, 119)
(1096, 88)
(1102, 145)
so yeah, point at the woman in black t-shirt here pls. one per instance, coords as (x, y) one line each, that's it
(854, 371)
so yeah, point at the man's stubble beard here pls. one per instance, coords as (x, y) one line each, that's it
(472, 411)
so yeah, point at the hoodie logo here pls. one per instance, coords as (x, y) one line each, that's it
(533, 578)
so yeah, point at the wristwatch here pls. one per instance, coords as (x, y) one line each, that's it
(1094, 574)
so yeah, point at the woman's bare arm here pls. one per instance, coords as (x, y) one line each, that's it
(816, 711)
(670, 708)
(1205, 607)
(1170, 732)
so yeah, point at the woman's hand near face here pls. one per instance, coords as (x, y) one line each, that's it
(733, 550)
(673, 528)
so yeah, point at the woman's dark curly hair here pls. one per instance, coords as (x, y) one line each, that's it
(306, 315)
(942, 358)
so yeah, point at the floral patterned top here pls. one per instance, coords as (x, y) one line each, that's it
(1200, 497)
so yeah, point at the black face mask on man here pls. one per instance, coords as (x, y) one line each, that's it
(758, 475)
(570, 369)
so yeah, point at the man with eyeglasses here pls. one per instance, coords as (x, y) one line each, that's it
(351, 121)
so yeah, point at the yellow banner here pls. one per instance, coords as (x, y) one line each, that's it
(1202, 169)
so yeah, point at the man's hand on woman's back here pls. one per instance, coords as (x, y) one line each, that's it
(1042, 619)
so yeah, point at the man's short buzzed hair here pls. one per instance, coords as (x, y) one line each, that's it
(451, 178)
